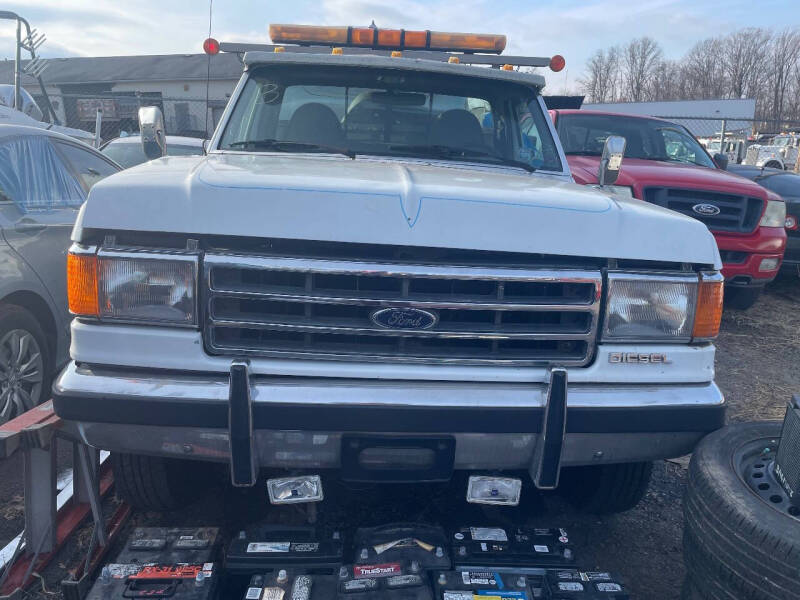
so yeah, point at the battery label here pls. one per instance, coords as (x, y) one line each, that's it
(120, 571)
(570, 586)
(360, 585)
(191, 543)
(480, 578)
(488, 594)
(148, 544)
(269, 547)
(385, 570)
(596, 576)
(253, 593)
(608, 587)
(539, 548)
(168, 572)
(457, 595)
(488, 534)
(273, 593)
(304, 547)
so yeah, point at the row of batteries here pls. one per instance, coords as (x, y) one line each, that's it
(392, 562)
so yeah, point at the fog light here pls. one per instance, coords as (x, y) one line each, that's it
(293, 490)
(768, 264)
(494, 490)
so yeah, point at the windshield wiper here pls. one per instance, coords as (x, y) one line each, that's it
(442, 151)
(288, 146)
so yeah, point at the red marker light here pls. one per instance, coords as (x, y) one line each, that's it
(211, 46)
(557, 63)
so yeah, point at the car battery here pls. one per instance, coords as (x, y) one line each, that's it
(384, 581)
(477, 584)
(572, 584)
(265, 548)
(170, 546)
(119, 581)
(423, 545)
(787, 461)
(293, 584)
(513, 548)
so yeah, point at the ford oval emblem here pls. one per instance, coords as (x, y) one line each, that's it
(707, 210)
(403, 318)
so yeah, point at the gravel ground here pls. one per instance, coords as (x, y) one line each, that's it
(758, 354)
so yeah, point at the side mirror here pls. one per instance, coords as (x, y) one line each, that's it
(611, 161)
(205, 146)
(153, 133)
(722, 161)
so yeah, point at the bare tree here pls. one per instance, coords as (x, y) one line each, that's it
(667, 81)
(705, 75)
(744, 59)
(785, 54)
(640, 58)
(602, 75)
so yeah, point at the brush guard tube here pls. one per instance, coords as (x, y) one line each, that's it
(546, 465)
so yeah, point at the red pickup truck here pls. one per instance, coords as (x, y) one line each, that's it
(665, 165)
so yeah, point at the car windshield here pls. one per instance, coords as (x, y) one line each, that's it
(128, 154)
(389, 112)
(648, 139)
(782, 140)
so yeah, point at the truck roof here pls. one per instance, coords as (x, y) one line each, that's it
(252, 59)
(579, 111)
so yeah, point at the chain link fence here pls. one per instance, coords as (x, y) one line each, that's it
(184, 116)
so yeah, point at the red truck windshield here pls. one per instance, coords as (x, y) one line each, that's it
(648, 139)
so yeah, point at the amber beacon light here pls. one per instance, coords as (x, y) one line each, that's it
(387, 39)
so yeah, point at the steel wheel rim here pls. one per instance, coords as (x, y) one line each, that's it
(21, 373)
(754, 464)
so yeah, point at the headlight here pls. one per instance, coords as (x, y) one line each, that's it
(133, 287)
(775, 215)
(648, 308)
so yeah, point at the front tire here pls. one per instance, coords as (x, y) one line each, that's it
(154, 483)
(26, 365)
(606, 489)
(741, 298)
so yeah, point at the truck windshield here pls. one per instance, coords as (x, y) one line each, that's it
(648, 139)
(388, 112)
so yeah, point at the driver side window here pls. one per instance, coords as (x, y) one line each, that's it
(676, 146)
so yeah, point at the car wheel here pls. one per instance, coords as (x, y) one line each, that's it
(741, 298)
(741, 535)
(154, 483)
(773, 165)
(606, 489)
(26, 369)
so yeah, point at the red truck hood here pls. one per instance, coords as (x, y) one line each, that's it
(639, 173)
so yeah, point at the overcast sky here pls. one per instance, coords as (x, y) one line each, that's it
(574, 28)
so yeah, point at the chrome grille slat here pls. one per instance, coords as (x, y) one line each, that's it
(318, 309)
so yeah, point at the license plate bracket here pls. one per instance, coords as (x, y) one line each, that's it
(397, 459)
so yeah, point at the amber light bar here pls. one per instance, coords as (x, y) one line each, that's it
(387, 39)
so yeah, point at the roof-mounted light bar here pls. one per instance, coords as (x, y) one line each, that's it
(387, 39)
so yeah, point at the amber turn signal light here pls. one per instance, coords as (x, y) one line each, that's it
(82, 284)
(709, 310)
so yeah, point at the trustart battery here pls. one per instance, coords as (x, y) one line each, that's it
(571, 584)
(269, 547)
(511, 548)
(292, 584)
(384, 581)
(787, 462)
(424, 545)
(489, 585)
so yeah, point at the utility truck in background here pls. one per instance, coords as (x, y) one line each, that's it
(382, 270)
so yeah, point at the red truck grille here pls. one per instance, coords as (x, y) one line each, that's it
(738, 214)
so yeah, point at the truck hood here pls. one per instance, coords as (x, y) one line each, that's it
(639, 173)
(408, 203)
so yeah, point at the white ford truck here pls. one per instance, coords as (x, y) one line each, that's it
(383, 271)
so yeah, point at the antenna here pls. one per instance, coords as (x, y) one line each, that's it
(210, 50)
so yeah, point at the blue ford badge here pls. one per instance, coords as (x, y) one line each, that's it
(707, 210)
(403, 318)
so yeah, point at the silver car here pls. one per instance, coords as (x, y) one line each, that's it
(44, 179)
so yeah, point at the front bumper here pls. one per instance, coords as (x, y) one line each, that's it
(299, 422)
(764, 243)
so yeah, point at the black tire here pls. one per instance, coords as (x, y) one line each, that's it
(15, 318)
(606, 489)
(743, 547)
(773, 165)
(741, 298)
(154, 483)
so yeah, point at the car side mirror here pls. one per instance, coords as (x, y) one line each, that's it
(611, 160)
(205, 146)
(722, 161)
(153, 133)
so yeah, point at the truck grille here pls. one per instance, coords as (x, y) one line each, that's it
(738, 214)
(322, 309)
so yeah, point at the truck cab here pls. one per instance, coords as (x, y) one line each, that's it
(382, 270)
(666, 166)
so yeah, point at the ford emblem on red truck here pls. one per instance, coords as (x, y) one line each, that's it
(403, 318)
(708, 210)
